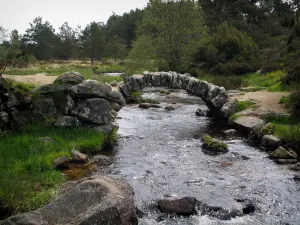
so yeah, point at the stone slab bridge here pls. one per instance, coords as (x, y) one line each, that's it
(215, 97)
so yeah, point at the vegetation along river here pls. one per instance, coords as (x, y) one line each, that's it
(159, 153)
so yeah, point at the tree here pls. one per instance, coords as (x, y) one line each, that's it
(116, 48)
(40, 39)
(92, 41)
(68, 42)
(175, 30)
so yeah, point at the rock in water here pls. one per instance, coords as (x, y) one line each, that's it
(214, 145)
(172, 107)
(270, 141)
(183, 206)
(282, 153)
(100, 200)
(145, 105)
(79, 157)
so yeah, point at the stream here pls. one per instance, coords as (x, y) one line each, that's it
(159, 153)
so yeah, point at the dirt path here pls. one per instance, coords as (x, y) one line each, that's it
(266, 101)
(40, 79)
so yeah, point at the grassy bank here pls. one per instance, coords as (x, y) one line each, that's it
(28, 178)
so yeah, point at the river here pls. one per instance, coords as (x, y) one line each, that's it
(160, 154)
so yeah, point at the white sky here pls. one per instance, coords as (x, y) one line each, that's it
(17, 14)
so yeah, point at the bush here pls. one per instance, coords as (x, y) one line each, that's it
(293, 76)
(270, 67)
(295, 103)
(233, 67)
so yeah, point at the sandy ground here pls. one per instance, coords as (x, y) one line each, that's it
(40, 79)
(266, 101)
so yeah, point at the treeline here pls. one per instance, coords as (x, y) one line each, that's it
(222, 36)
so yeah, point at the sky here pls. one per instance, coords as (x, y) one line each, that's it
(17, 14)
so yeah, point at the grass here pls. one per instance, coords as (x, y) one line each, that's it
(20, 87)
(28, 177)
(242, 105)
(287, 128)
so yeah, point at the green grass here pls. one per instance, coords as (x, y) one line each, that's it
(287, 128)
(20, 87)
(26, 162)
(242, 105)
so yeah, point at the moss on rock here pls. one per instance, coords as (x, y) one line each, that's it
(214, 144)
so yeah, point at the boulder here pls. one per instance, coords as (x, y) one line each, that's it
(79, 157)
(89, 89)
(108, 128)
(183, 206)
(297, 177)
(67, 121)
(4, 116)
(98, 200)
(72, 78)
(286, 161)
(53, 88)
(221, 99)
(94, 110)
(115, 106)
(229, 108)
(171, 107)
(247, 123)
(282, 153)
(43, 106)
(214, 145)
(141, 80)
(64, 103)
(145, 105)
(203, 112)
(134, 84)
(156, 79)
(270, 141)
(117, 97)
(61, 162)
(124, 90)
(12, 101)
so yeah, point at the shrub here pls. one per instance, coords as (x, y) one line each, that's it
(270, 67)
(295, 104)
(293, 76)
(233, 67)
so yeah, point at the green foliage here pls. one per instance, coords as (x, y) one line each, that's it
(172, 31)
(92, 41)
(115, 48)
(242, 105)
(214, 143)
(27, 163)
(232, 67)
(24, 89)
(293, 75)
(294, 102)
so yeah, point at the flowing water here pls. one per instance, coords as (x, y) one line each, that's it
(160, 154)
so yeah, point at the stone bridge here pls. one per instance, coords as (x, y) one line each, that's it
(215, 97)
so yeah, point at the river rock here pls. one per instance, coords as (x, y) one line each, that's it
(282, 153)
(270, 142)
(99, 200)
(217, 212)
(72, 78)
(94, 110)
(183, 206)
(79, 157)
(214, 145)
(229, 108)
(297, 177)
(61, 162)
(247, 123)
(67, 121)
(145, 105)
(12, 101)
(295, 167)
(203, 112)
(89, 89)
(286, 161)
(229, 132)
(172, 107)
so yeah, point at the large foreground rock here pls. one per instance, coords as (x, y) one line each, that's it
(247, 123)
(100, 200)
(95, 110)
(70, 78)
(90, 89)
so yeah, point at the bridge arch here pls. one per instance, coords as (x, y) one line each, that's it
(215, 97)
